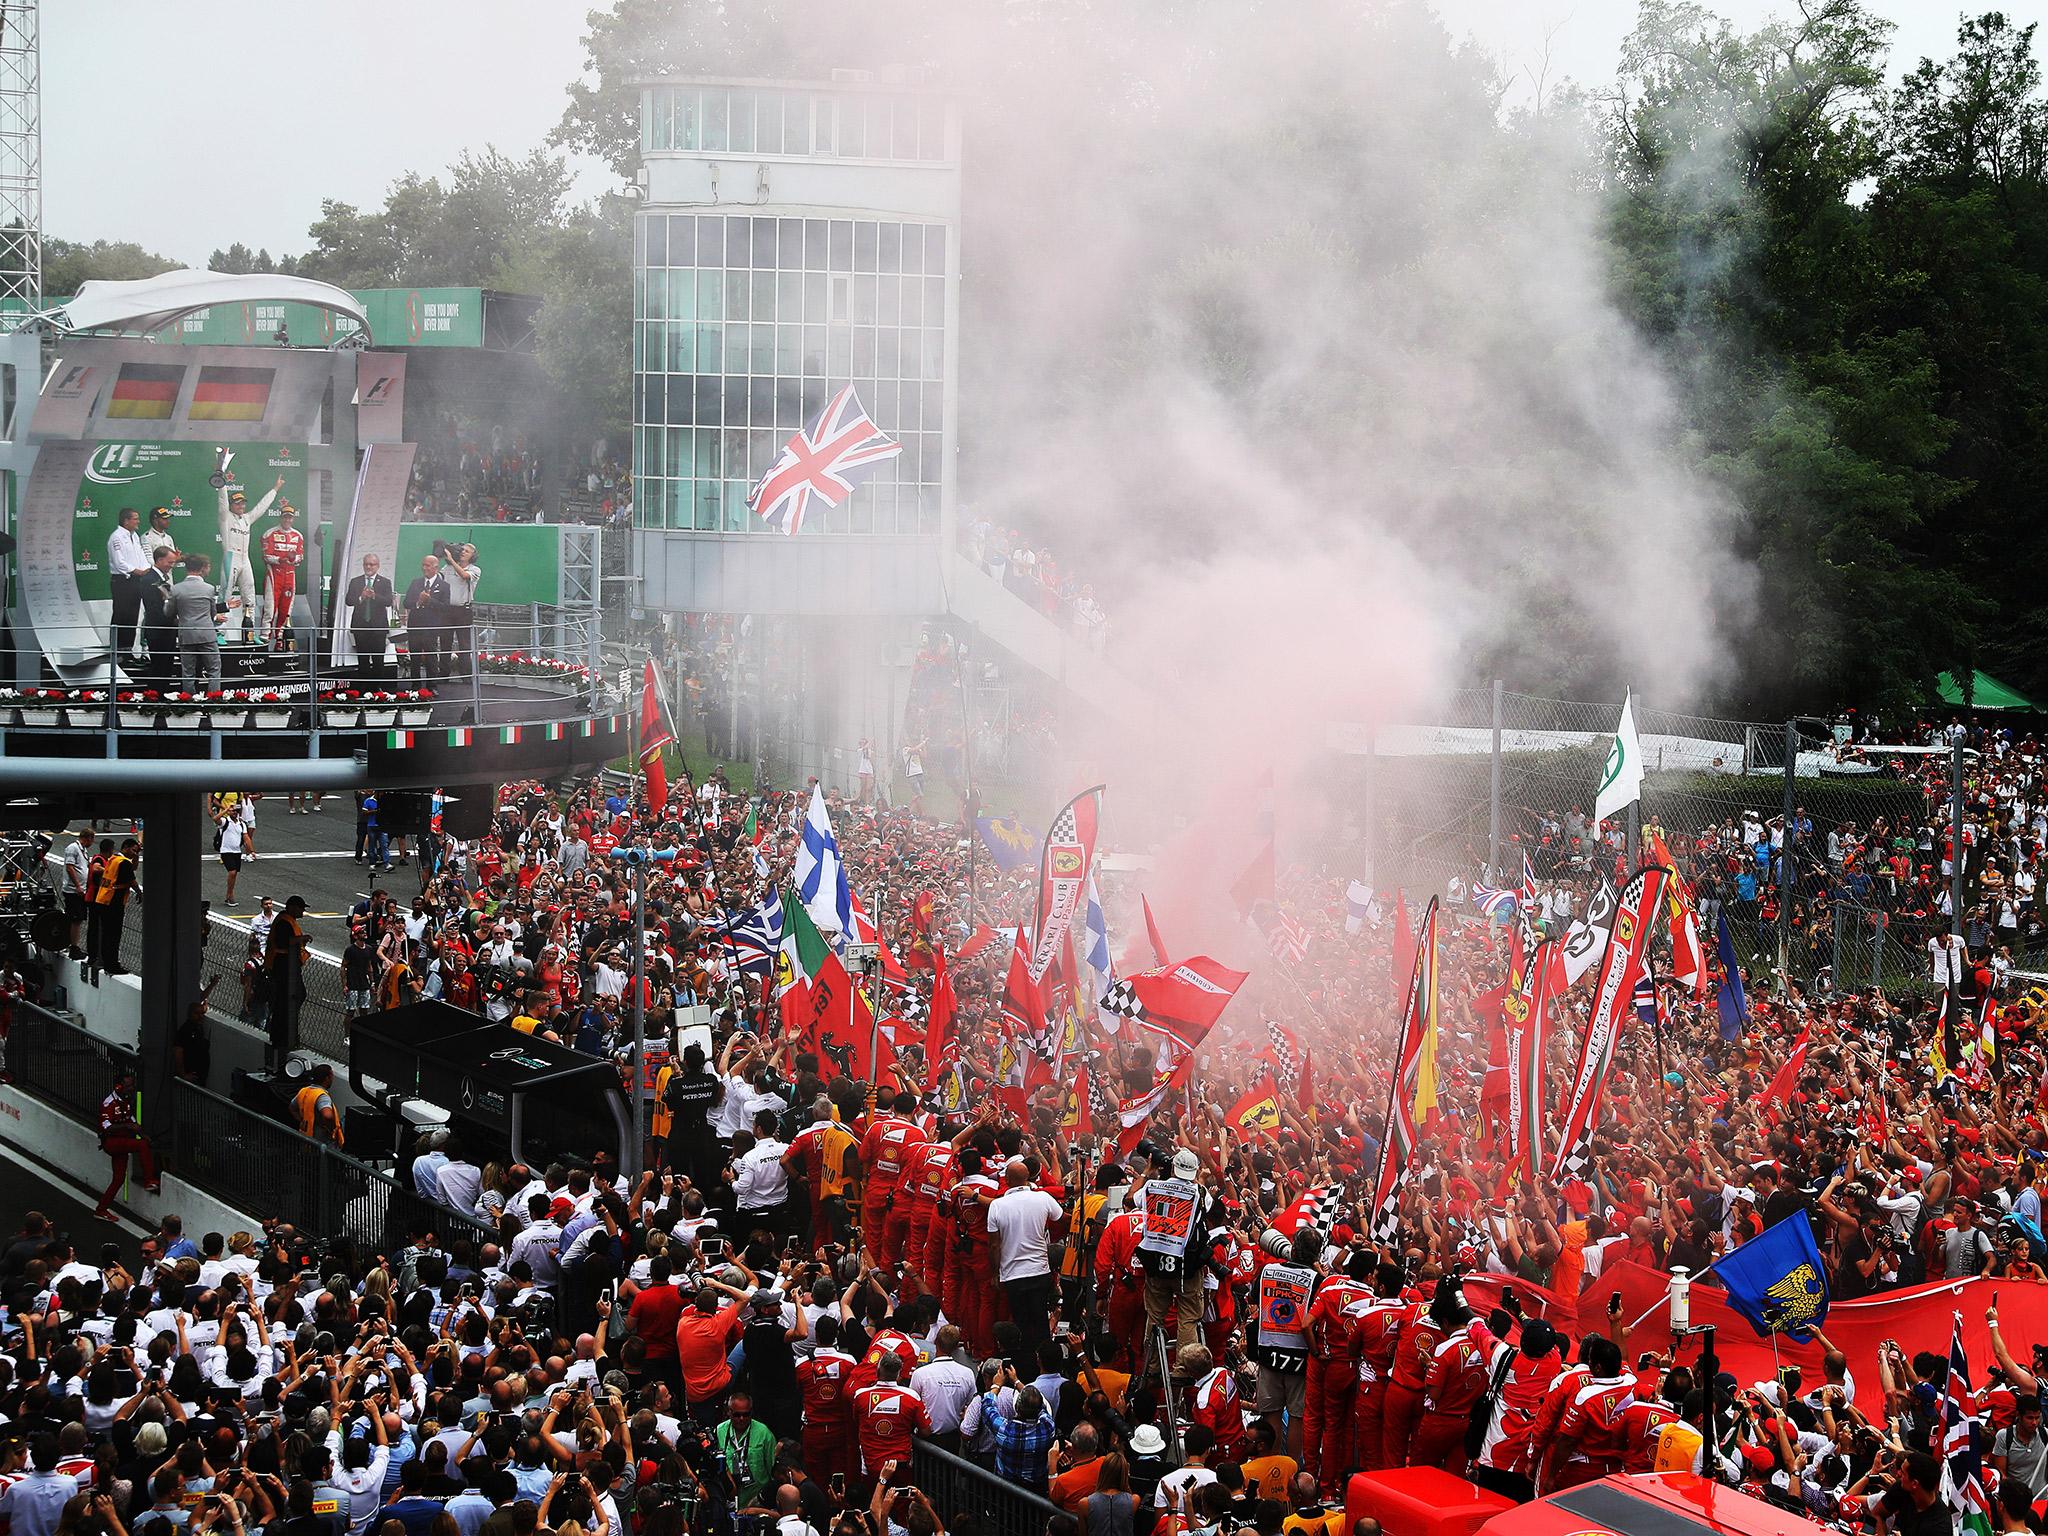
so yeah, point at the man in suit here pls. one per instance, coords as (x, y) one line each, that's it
(370, 599)
(160, 618)
(198, 609)
(426, 603)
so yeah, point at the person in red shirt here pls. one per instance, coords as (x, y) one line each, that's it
(885, 1343)
(1589, 1444)
(704, 1335)
(1119, 1280)
(1557, 1397)
(1212, 1399)
(1503, 1461)
(970, 1272)
(933, 1167)
(1457, 1377)
(885, 1152)
(885, 1416)
(654, 1315)
(821, 1378)
(1379, 1324)
(1641, 1424)
(283, 547)
(1408, 1378)
(1333, 1371)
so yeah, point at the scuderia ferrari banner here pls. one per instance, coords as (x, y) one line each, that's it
(1064, 863)
(1634, 918)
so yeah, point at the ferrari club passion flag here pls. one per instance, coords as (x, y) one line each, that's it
(1634, 918)
(1404, 1094)
(1064, 863)
(826, 460)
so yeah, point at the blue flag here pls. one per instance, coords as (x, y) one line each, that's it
(1777, 1280)
(1733, 1004)
(1009, 842)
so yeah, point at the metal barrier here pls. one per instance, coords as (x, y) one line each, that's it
(245, 1159)
(956, 1486)
(323, 1026)
(68, 1067)
(265, 1168)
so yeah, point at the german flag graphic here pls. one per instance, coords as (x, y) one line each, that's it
(231, 394)
(146, 391)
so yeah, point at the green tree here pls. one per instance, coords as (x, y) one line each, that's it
(68, 263)
(1816, 396)
(239, 258)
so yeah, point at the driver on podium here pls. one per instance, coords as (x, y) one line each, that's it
(237, 519)
(283, 548)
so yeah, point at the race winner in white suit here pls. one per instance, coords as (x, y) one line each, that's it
(238, 586)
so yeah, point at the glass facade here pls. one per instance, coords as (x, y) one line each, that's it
(764, 120)
(743, 327)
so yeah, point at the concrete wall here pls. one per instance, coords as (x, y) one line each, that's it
(70, 1154)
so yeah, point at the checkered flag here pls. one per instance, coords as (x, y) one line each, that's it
(1122, 999)
(1286, 1057)
(1325, 1206)
(1101, 1102)
(1386, 1221)
(910, 1005)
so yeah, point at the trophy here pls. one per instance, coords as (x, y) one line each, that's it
(222, 458)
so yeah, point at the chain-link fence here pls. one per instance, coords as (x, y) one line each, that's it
(1494, 780)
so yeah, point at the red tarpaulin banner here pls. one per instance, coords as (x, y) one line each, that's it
(1920, 1317)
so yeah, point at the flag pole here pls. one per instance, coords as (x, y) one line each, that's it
(973, 837)
(875, 979)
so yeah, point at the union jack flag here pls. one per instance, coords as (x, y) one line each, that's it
(1491, 901)
(1287, 939)
(828, 459)
(1527, 894)
(753, 937)
(1962, 1456)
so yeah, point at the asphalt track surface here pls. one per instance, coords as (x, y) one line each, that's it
(309, 856)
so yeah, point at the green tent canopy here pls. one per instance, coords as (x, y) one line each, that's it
(1986, 692)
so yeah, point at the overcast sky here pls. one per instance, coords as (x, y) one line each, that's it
(186, 137)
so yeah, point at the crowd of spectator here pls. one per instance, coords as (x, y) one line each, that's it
(818, 1275)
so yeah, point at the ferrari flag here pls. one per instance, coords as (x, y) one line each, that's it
(1418, 1033)
(1064, 862)
(654, 735)
(1634, 918)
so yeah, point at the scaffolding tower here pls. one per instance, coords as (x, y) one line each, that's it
(21, 157)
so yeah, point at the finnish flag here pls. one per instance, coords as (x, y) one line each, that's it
(820, 877)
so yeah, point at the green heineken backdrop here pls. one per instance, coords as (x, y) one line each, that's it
(148, 475)
(399, 317)
(521, 562)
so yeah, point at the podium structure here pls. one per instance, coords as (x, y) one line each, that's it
(98, 415)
